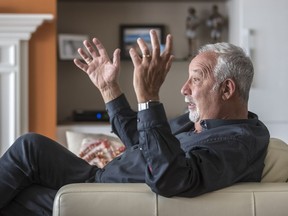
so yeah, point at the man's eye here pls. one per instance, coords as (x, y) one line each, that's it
(195, 79)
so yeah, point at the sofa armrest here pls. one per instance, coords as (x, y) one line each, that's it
(249, 199)
(105, 199)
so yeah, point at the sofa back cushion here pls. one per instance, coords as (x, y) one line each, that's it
(276, 162)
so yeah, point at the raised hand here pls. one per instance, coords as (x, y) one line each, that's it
(151, 69)
(101, 70)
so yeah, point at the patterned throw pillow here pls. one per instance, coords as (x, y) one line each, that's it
(101, 151)
(97, 149)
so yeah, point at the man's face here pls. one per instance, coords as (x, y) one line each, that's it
(204, 101)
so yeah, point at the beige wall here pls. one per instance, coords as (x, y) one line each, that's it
(102, 20)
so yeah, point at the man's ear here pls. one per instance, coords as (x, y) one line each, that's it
(228, 88)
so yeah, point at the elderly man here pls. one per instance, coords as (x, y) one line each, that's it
(216, 144)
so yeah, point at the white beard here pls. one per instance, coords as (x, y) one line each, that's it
(194, 116)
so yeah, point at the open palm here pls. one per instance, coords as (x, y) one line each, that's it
(101, 70)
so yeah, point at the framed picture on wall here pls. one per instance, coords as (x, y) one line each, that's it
(130, 33)
(69, 44)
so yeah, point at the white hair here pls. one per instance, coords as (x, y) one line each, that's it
(232, 62)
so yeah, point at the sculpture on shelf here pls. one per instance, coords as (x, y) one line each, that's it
(216, 23)
(192, 23)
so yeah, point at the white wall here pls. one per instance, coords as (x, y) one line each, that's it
(266, 20)
(103, 20)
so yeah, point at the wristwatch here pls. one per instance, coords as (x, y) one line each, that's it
(146, 105)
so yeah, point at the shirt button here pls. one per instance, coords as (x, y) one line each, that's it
(138, 120)
(204, 124)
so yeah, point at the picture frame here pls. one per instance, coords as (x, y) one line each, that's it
(130, 33)
(69, 44)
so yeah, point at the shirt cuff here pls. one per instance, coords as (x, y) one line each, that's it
(151, 117)
(114, 106)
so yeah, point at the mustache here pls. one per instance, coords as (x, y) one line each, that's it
(189, 99)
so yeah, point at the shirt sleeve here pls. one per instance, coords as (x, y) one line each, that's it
(167, 171)
(123, 120)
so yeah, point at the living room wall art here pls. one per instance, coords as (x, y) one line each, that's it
(68, 45)
(130, 33)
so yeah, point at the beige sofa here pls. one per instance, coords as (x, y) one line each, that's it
(268, 198)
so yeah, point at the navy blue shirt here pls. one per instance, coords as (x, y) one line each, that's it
(173, 160)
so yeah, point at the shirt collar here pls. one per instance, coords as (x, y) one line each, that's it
(213, 123)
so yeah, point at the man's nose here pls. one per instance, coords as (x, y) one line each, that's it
(185, 90)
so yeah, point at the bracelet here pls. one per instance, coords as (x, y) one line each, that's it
(147, 105)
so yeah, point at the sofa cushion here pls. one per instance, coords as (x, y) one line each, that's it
(276, 162)
(76, 139)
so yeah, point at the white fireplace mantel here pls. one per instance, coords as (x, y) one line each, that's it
(15, 32)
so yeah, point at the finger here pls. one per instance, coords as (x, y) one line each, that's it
(155, 44)
(143, 47)
(168, 46)
(81, 65)
(84, 56)
(90, 49)
(136, 60)
(100, 48)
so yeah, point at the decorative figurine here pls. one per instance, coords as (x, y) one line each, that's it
(216, 23)
(192, 23)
